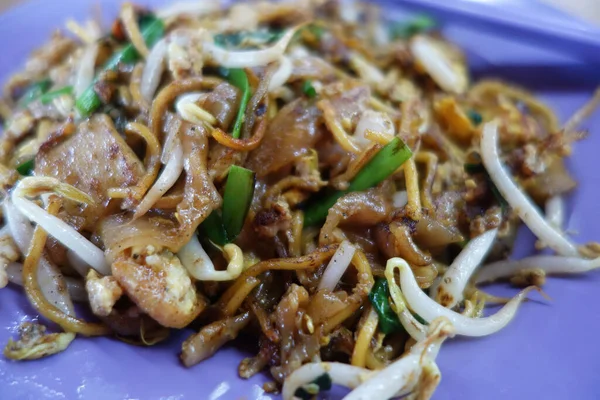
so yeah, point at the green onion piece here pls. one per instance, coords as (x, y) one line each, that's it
(26, 167)
(420, 23)
(480, 169)
(308, 89)
(320, 384)
(46, 98)
(152, 30)
(237, 197)
(475, 117)
(238, 78)
(382, 165)
(212, 228)
(35, 91)
(380, 299)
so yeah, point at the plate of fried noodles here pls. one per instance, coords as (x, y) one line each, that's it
(292, 200)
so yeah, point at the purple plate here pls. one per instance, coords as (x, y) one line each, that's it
(549, 351)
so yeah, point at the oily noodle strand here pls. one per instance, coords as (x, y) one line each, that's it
(337, 130)
(129, 20)
(310, 261)
(242, 144)
(135, 87)
(240, 295)
(34, 294)
(365, 335)
(413, 206)
(431, 162)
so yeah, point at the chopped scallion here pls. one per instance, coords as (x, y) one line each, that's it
(224, 227)
(308, 89)
(237, 197)
(475, 117)
(382, 165)
(26, 167)
(46, 98)
(213, 229)
(238, 78)
(380, 299)
(152, 30)
(34, 91)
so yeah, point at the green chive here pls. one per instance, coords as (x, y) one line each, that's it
(237, 197)
(310, 390)
(382, 165)
(152, 30)
(26, 167)
(475, 117)
(46, 98)
(308, 89)
(238, 78)
(420, 23)
(34, 91)
(213, 229)
(380, 299)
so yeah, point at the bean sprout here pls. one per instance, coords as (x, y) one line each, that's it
(517, 199)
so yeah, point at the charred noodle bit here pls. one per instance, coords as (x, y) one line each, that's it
(37, 299)
(56, 227)
(450, 290)
(517, 199)
(363, 342)
(428, 309)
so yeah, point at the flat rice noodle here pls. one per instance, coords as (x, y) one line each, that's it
(310, 67)
(348, 99)
(222, 103)
(293, 131)
(555, 180)
(94, 159)
(430, 233)
(200, 198)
